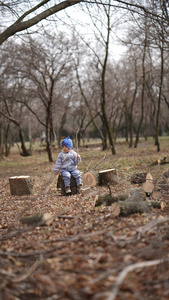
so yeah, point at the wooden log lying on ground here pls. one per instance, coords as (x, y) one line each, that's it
(108, 176)
(129, 203)
(21, 185)
(161, 161)
(156, 195)
(164, 160)
(163, 184)
(148, 186)
(166, 175)
(46, 219)
(61, 185)
(129, 207)
(133, 195)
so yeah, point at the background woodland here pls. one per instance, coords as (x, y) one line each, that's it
(98, 72)
(60, 73)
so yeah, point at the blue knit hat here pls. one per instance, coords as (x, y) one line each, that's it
(67, 142)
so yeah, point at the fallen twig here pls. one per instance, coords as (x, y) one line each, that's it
(28, 273)
(150, 225)
(128, 269)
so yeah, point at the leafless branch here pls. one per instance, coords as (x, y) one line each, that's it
(124, 273)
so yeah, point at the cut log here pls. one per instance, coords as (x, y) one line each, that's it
(106, 200)
(30, 220)
(21, 185)
(135, 195)
(156, 195)
(130, 207)
(61, 186)
(89, 179)
(163, 184)
(115, 209)
(133, 202)
(161, 161)
(149, 177)
(157, 204)
(164, 160)
(108, 176)
(166, 175)
(46, 219)
(148, 187)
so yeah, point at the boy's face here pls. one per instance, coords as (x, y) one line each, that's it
(65, 149)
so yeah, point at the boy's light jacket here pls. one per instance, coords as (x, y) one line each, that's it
(67, 161)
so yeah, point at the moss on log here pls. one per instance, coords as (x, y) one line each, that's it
(30, 220)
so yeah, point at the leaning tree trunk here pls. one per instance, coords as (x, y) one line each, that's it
(25, 152)
(63, 121)
(142, 96)
(157, 143)
(130, 114)
(48, 127)
(103, 96)
(48, 144)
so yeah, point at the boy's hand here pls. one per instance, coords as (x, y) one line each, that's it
(78, 156)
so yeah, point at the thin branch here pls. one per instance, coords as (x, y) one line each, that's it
(128, 269)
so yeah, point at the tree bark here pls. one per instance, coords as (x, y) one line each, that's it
(157, 143)
(25, 152)
(21, 25)
(127, 205)
(103, 97)
(143, 91)
(108, 177)
(21, 185)
(61, 186)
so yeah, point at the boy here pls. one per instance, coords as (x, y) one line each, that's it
(67, 162)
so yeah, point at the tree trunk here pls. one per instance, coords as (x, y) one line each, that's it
(48, 123)
(157, 143)
(62, 123)
(103, 96)
(130, 114)
(61, 186)
(109, 176)
(25, 152)
(21, 185)
(142, 94)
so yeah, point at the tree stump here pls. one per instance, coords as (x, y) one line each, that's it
(109, 176)
(21, 185)
(61, 186)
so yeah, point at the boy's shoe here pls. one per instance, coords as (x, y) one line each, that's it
(67, 189)
(79, 187)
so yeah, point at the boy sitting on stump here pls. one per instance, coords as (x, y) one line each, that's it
(66, 163)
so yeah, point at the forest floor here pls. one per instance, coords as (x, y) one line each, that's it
(86, 252)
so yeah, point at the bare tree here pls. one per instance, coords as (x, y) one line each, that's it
(46, 69)
(25, 14)
(9, 109)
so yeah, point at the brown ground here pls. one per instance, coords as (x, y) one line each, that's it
(83, 252)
